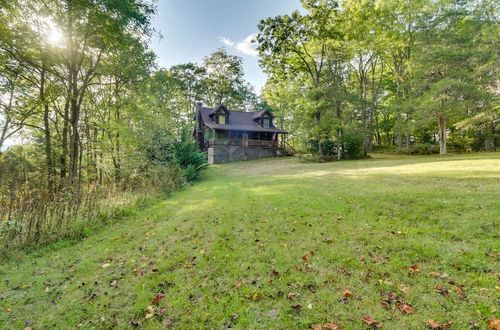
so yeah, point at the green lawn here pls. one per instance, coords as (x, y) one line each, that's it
(282, 244)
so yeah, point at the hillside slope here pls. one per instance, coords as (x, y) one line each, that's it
(282, 244)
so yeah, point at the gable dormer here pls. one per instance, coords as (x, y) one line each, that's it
(220, 115)
(264, 119)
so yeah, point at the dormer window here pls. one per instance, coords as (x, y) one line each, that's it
(221, 119)
(266, 122)
(220, 115)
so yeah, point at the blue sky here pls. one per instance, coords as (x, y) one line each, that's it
(192, 29)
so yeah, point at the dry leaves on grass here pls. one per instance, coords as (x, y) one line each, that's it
(438, 288)
(347, 293)
(438, 275)
(370, 321)
(406, 308)
(435, 325)
(329, 325)
(494, 323)
(460, 291)
(292, 295)
(413, 269)
(150, 312)
(159, 297)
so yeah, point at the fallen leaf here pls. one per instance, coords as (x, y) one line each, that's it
(161, 311)
(331, 326)
(441, 290)
(292, 295)
(305, 257)
(439, 275)
(296, 306)
(150, 312)
(494, 323)
(460, 291)
(406, 308)
(391, 296)
(346, 293)
(299, 268)
(403, 288)
(113, 283)
(414, 269)
(105, 265)
(433, 324)
(168, 323)
(370, 321)
(237, 284)
(202, 251)
(159, 297)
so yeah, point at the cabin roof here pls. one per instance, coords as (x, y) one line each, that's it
(238, 121)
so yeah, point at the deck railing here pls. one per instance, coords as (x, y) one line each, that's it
(240, 142)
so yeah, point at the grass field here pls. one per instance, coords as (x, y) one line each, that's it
(280, 244)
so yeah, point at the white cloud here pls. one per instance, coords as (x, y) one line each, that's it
(244, 46)
(226, 41)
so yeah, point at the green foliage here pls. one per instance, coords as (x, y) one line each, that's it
(189, 157)
(424, 149)
(403, 71)
(353, 139)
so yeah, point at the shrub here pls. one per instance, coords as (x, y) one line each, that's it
(189, 157)
(424, 149)
(353, 144)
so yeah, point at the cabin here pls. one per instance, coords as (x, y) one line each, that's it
(228, 135)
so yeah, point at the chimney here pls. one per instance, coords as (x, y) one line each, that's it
(199, 105)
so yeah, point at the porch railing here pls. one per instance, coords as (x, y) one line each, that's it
(240, 142)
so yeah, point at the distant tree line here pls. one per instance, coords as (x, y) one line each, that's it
(419, 75)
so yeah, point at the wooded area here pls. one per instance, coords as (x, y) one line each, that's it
(93, 118)
(413, 74)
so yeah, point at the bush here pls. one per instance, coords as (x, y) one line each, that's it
(353, 144)
(424, 149)
(189, 157)
(164, 151)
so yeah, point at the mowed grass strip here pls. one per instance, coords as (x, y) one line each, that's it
(282, 244)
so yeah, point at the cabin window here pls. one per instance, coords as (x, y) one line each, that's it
(266, 122)
(221, 119)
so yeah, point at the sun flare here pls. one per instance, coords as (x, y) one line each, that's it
(55, 36)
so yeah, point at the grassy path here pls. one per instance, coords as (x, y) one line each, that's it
(282, 244)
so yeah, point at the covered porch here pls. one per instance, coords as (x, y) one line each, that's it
(244, 139)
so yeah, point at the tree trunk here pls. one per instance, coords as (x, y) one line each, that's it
(6, 124)
(400, 141)
(408, 142)
(46, 128)
(65, 133)
(320, 144)
(442, 135)
(339, 146)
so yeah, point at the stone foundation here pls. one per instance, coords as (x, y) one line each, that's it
(226, 154)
